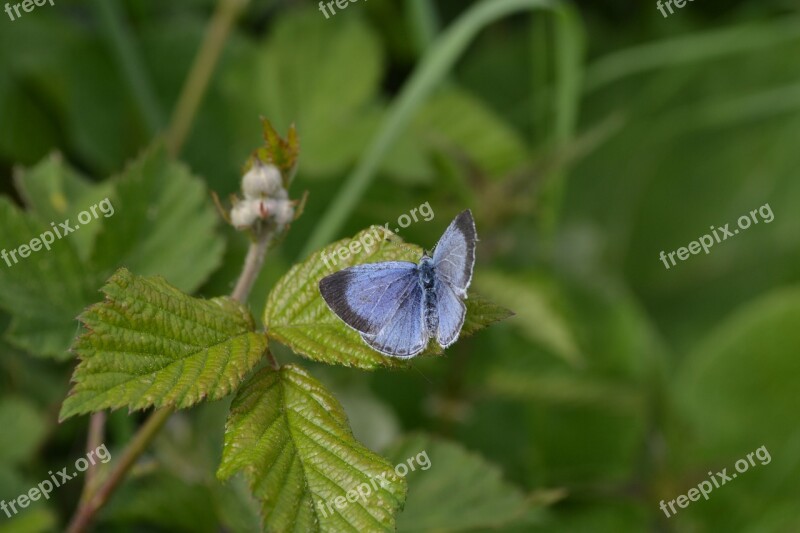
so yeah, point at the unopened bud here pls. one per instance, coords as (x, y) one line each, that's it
(263, 181)
(244, 214)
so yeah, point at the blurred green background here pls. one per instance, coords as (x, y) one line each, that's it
(586, 141)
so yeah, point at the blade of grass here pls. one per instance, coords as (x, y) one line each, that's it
(124, 48)
(569, 49)
(424, 23)
(688, 49)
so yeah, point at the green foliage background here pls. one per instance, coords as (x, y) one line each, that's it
(585, 140)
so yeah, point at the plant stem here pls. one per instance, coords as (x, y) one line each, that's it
(88, 509)
(197, 81)
(94, 440)
(434, 66)
(93, 501)
(252, 266)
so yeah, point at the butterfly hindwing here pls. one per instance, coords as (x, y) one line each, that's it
(451, 311)
(404, 334)
(366, 296)
(454, 255)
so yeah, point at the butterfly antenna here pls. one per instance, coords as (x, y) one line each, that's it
(421, 374)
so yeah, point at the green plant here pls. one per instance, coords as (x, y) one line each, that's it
(150, 345)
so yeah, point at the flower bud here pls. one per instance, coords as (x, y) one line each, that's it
(262, 180)
(244, 214)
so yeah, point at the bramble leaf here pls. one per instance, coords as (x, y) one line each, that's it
(291, 437)
(163, 224)
(297, 316)
(150, 345)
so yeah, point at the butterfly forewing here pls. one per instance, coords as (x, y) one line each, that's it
(365, 297)
(454, 255)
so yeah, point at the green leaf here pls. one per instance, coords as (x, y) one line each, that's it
(23, 430)
(149, 345)
(458, 491)
(481, 313)
(291, 438)
(461, 124)
(297, 316)
(740, 383)
(537, 316)
(277, 151)
(163, 224)
(302, 81)
(158, 221)
(736, 392)
(55, 192)
(43, 292)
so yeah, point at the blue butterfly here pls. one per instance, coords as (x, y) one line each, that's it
(398, 306)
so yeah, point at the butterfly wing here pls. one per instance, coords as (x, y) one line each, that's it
(404, 335)
(454, 255)
(452, 312)
(367, 296)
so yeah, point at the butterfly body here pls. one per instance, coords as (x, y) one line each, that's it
(398, 306)
(427, 280)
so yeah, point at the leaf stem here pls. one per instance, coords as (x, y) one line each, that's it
(200, 74)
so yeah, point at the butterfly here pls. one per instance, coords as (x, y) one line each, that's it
(398, 306)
